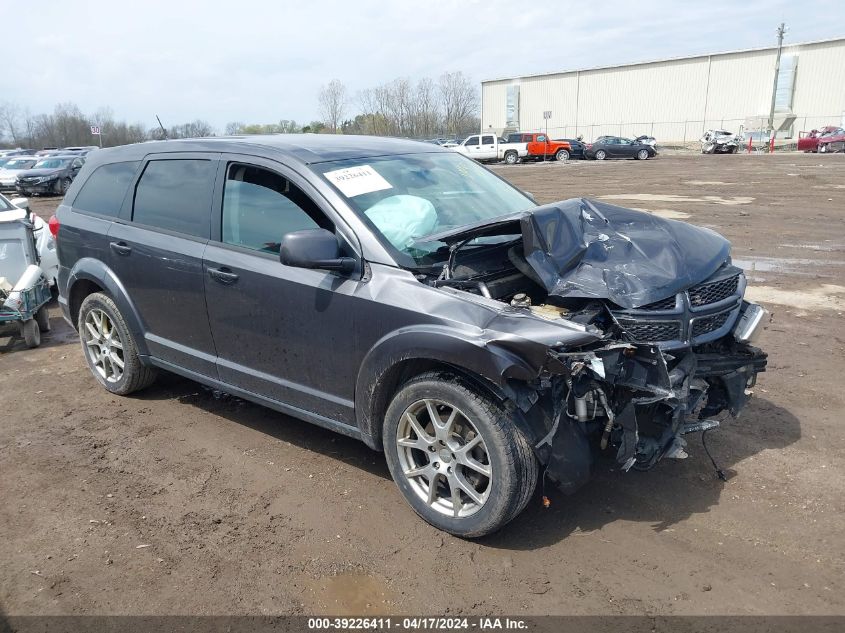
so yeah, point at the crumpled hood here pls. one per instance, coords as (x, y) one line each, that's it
(583, 248)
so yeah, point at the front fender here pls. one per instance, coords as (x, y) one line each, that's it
(474, 354)
(95, 271)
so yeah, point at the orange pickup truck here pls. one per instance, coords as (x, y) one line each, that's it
(540, 146)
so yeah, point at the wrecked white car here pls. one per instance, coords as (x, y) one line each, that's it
(720, 142)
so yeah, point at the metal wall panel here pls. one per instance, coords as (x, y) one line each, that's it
(675, 100)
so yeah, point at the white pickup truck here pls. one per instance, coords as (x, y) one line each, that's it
(484, 147)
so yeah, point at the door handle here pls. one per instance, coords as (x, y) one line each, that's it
(223, 275)
(121, 248)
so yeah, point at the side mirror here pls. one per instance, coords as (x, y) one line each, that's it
(314, 248)
(20, 203)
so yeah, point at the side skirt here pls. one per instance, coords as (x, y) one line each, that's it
(296, 412)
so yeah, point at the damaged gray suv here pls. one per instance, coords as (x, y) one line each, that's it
(403, 295)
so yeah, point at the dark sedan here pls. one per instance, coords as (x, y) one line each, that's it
(52, 174)
(577, 147)
(618, 147)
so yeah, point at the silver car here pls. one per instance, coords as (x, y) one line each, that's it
(15, 166)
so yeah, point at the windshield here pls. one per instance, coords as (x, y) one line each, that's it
(51, 163)
(405, 198)
(19, 163)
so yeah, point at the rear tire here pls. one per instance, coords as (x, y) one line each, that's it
(452, 457)
(107, 343)
(511, 157)
(42, 317)
(31, 333)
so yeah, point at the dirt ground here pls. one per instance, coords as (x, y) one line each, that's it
(183, 501)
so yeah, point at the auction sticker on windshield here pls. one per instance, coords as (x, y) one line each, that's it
(356, 181)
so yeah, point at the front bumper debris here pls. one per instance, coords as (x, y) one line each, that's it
(636, 401)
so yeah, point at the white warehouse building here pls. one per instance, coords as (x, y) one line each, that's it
(675, 100)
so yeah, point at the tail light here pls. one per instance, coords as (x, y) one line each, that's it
(54, 226)
(589, 145)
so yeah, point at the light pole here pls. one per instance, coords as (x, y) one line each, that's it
(781, 31)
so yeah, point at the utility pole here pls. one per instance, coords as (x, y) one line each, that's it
(781, 31)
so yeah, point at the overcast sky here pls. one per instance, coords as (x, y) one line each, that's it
(237, 60)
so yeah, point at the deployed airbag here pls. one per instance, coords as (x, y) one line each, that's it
(402, 218)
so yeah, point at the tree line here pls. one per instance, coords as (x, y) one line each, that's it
(422, 109)
(68, 126)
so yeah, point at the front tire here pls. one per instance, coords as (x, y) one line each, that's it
(457, 456)
(642, 154)
(109, 348)
(62, 185)
(562, 155)
(601, 155)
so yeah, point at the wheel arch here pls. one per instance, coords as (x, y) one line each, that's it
(91, 275)
(400, 356)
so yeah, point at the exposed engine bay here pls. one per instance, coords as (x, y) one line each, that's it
(674, 334)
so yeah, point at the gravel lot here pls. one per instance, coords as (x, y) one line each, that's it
(178, 501)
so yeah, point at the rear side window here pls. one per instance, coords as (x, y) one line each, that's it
(175, 195)
(105, 189)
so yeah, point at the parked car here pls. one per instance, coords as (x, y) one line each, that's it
(46, 151)
(398, 293)
(12, 168)
(809, 141)
(576, 146)
(539, 146)
(617, 147)
(45, 244)
(489, 147)
(9, 153)
(82, 151)
(719, 142)
(833, 141)
(51, 174)
(646, 139)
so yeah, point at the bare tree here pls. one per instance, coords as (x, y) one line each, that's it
(460, 101)
(233, 127)
(289, 126)
(426, 110)
(194, 129)
(10, 122)
(333, 101)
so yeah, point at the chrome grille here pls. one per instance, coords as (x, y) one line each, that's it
(705, 294)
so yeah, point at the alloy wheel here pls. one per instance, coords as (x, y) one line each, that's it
(103, 345)
(444, 458)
